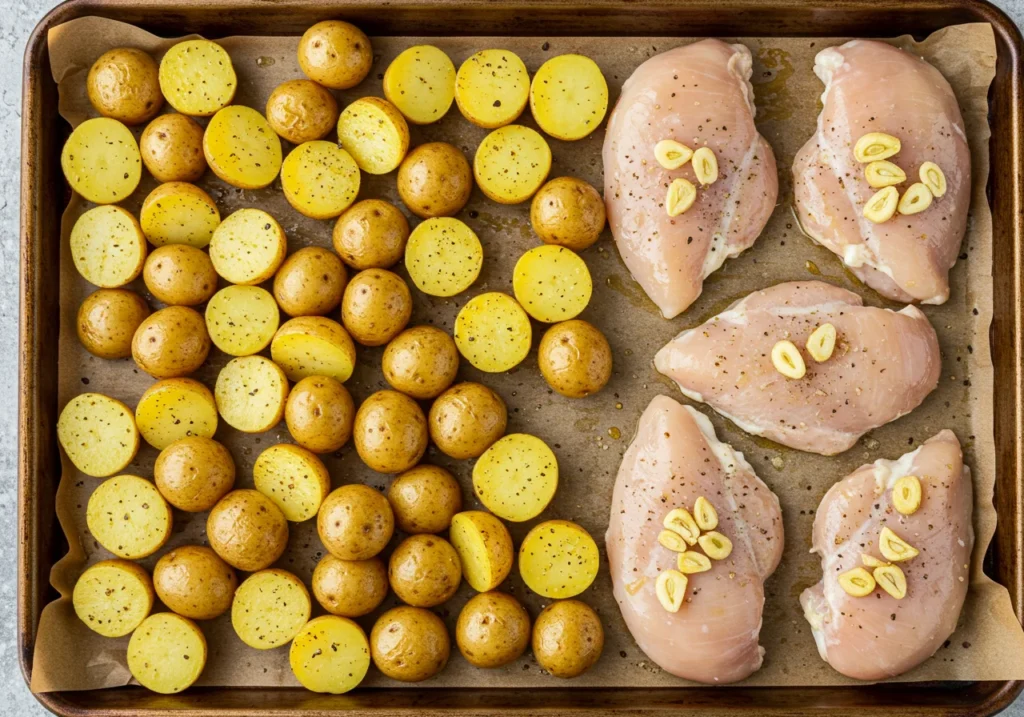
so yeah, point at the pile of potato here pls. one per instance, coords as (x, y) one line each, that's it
(238, 266)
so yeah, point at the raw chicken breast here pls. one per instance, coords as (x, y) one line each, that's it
(699, 95)
(878, 636)
(884, 364)
(874, 87)
(674, 459)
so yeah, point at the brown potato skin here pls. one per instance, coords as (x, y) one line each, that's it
(424, 499)
(376, 306)
(181, 275)
(172, 148)
(171, 342)
(350, 588)
(302, 111)
(409, 644)
(335, 54)
(107, 321)
(466, 419)
(123, 84)
(424, 570)
(390, 432)
(194, 582)
(421, 362)
(567, 638)
(194, 473)
(575, 358)
(434, 180)
(355, 522)
(371, 234)
(568, 212)
(320, 414)
(493, 630)
(247, 530)
(310, 282)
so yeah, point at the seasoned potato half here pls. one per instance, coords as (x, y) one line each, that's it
(485, 548)
(101, 161)
(409, 644)
(493, 332)
(194, 582)
(424, 570)
(492, 88)
(247, 530)
(241, 148)
(179, 213)
(294, 478)
(567, 638)
(376, 306)
(443, 256)
(128, 516)
(242, 320)
(420, 82)
(493, 630)
(270, 608)
(302, 111)
(511, 164)
(167, 653)
(466, 419)
(517, 477)
(313, 346)
(575, 359)
(98, 433)
(355, 522)
(335, 54)
(558, 559)
(320, 413)
(248, 247)
(171, 342)
(172, 148)
(178, 274)
(350, 588)
(552, 283)
(197, 77)
(108, 247)
(123, 84)
(375, 134)
(569, 212)
(424, 499)
(569, 97)
(310, 282)
(390, 432)
(435, 180)
(320, 179)
(193, 473)
(107, 321)
(371, 234)
(112, 597)
(330, 654)
(173, 409)
(250, 393)
(421, 362)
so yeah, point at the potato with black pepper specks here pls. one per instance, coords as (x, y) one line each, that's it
(247, 530)
(350, 588)
(390, 432)
(424, 570)
(302, 111)
(310, 282)
(466, 419)
(409, 644)
(123, 84)
(575, 358)
(194, 582)
(171, 342)
(434, 180)
(335, 54)
(355, 522)
(172, 148)
(493, 630)
(179, 274)
(175, 408)
(421, 362)
(376, 306)
(568, 212)
(320, 414)
(424, 499)
(107, 321)
(567, 638)
(371, 234)
(194, 473)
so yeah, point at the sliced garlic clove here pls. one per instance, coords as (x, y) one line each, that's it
(894, 548)
(906, 495)
(671, 154)
(680, 521)
(680, 197)
(884, 174)
(634, 587)
(891, 579)
(716, 546)
(705, 514)
(915, 200)
(672, 541)
(671, 589)
(882, 205)
(874, 146)
(705, 166)
(857, 582)
(693, 562)
(787, 360)
(822, 342)
(871, 561)
(931, 176)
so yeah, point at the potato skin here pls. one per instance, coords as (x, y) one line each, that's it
(434, 180)
(409, 644)
(567, 638)
(424, 499)
(301, 111)
(123, 84)
(376, 306)
(493, 630)
(194, 473)
(421, 362)
(335, 54)
(371, 234)
(350, 588)
(568, 212)
(320, 414)
(107, 321)
(171, 342)
(575, 358)
(355, 522)
(194, 582)
(310, 282)
(172, 148)
(424, 570)
(247, 530)
(466, 419)
(179, 274)
(390, 432)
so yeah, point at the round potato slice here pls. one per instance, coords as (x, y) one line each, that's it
(310, 282)
(558, 559)
(123, 84)
(511, 164)
(197, 77)
(493, 332)
(485, 548)
(320, 179)
(178, 274)
(302, 111)
(112, 597)
(194, 582)
(313, 346)
(552, 283)
(248, 247)
(294, 478)
(517, 477)
(320, 413)
(492, 88)
(108, 247)
(107, 321)
(443, 256)
(242, 320)
(242, 148)
(101, 161)
(569, 97)
(172, 148)
(335, 54)
(330, 654)
(269, 609)
(173, 409)
(420, 82)
(98, 433)
(250, 393)
(128, 516)
(193, 474)
(375, 134)
(179, 213)
(371, 234)
(167, 653)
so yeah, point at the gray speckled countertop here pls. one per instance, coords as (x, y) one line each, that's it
(17, 18)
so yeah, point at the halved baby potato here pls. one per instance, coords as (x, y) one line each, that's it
(294, 478)
(330, 654)
(552, 283)
(101, 161)
(173, 409)
(171, 342)
(128, 516)
(123, 84)
(558, 559)
(320, 179)
(242, 320)
(242, 148)
(302, 111)
(493, 332)
(197, 77)
(335, 54)
(420, 82)
(179, 213)
(270, 608)
(375, 134)
(310, 282)
(511, 164)
(167, 653)
(108, 247)
(485, 548)
(107, 322)
(516, 478)
(112, 597)
(172, 148)
(492, 88)
(193, 474)
(248, 247)
(178, 274)
(569, 97)
(250, 393)
(443, 256)
(313, 346)
(98, 433)
(371, 234)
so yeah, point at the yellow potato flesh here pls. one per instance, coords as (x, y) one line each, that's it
(242, 320)
(516, 478)
(174, 409)
(420, 82)
(314, 347)
(558, 559)
(112, 597)
(167, 653)
(511, 164)
(492, 88)
(128, 516)
(493, 332)
(101, 161)
(443, 256)
(248, 247)
(294, 478)
(179, 213)
(330, 654)
(552, 283)
(197, 77)
(98, 433)
(320, 179)
(375, 134)
(250, 394)
(569, 97)
(242, 148)
(484, 547)
(108, 247)
(269, 609)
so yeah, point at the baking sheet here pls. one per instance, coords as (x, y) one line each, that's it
(588, 436)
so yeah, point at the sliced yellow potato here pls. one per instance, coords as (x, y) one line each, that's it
(112, 597)
(179, 213)
(167, 653)
(108, 247)
(443, 256)
(552, 283)
(98, 433)
(128, 516)
(314, 346)
(558, 559)
(242, 320)
(516, 477)
(330, 654)
(242, 148)
(511, 164)
(269, 609)
(173, 409)
(248, 247)
(101, 161)
(492, 88)
(294, 478)
(420, 82)
(250, 393)
(493, 332)
(569, 97)
(320, 179)
(375, 134)
(484, 547)
(197, 77)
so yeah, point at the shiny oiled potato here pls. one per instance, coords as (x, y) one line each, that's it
(250, 393)
(194, 473)
(166, 653)
(310, 282)
(569, 97)
(112, 597)
(568, 212)
(355, 522)
(567, 638)
(320, 179)
(172, 148)
(123, 84)
(98, 433)
(179, 213)
(409, 644)
(171, 342)
(107, 321)
(247, 530)
(558, 559)
(492, 88)
(516, 478)
(575, 358)
(127, 515)
(335, 54)
(330, 654)
(294, 478)
(197, 77)
(552, 283)
(175, 408)
(242, 148)
(420, 82)
(424, 499)
(390, 432)
(376, 306)
(374, 133)
(485, 548)
(269, 609)
(371, 234)
(320, 414)
(493, 332)
(493, 630)
(443, 256)
(424, 570)
(248, 247)
(435, 180)
(511, 164)
(313, 346)
(194, 582)
(242, 320)
(421, 362)
(350, 588)
(101, 161)
(108, 246)
(301, 111)
(466, 419)
(179, 274)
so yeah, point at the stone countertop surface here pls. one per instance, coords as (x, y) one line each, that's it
(18, 19)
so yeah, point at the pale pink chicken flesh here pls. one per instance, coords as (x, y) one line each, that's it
(878, 636)
(871, 86)
(674, 459)
(699, 95)
(884, 364)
